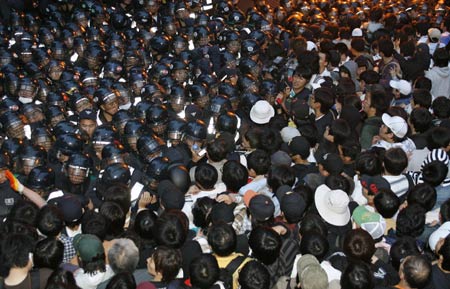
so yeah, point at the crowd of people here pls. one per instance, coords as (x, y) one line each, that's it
(191, 144)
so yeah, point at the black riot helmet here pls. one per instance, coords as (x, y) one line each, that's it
(68, 144)
(12, 124)
(41, 136)
(116, 173)
(149, 147)
(133, 130)
(140, 110)
(113, 69)
(113, 153)
(219, 104)
(64, 127)
(119, 20)
(157, 115)
(120, 119)
(160, 44)
(41, 179)
(248, 100)
(227, 122)
(104, 134)
(78, 168)
(175, 129)
(156, 171)
(249, 47)
(10, 150)
(31, 156)
(195, 130)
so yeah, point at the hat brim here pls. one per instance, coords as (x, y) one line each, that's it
(328, 215)
(259, 120)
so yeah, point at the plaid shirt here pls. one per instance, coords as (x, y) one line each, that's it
(69, 250)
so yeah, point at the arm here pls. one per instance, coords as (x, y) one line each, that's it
(21, 189)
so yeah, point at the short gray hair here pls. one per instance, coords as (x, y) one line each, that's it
(123, 256)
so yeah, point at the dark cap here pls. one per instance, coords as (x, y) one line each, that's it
(293, 206)
(280, 158)
(282, 190)
(374, 183)
(261, 207)
(222, 212)
(299, 145)
(70, 206)
(171, 196)
(332, 163)
(88, 114)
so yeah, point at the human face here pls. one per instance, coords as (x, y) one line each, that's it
(111, 107)
(298, 82)
(88, 126)
(322, 61)
(385, 134)
(3, 175)
(77, 175)
(366, 103)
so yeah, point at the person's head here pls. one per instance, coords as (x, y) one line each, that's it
(165, 263)
(415, 271)
(17, 252)
(322, 100)
(123, 256)
(421, 119)
(423, 82)
(440, 57)
(94, 223)
(421, 98)
(376, 14)
(313, 223)
(411, 221)
(205, 176)
(222, 239)
(359, 245)
(444, 254)
(434, 173)
(441, 107)
(24, 211)
(90, 253)
(218, 149)
(258, 163)
(368, 163)
(386, 47)
(280, 175)
(122, 280)
(170, 230)
(376, 102)
(265, 244)
(301, 77)
(445, 211)
(252, 137)
(234, 175)
(271, 140)
(48, 253)
(315, 244)
(403, 247)
(357, 275)
(115, 219)
(60, 279)
(424, 195)
(144, 223)
(254, 276)
(395, 161)
(386, 203)
(50, 221)
(201, 212)
(204, 271)
(118, 193)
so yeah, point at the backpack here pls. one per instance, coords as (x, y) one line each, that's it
(226, 274)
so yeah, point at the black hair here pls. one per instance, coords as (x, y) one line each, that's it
(222, 239)
(368, 163)
(312, 222)
(265, 244)
(259, 161)
(358, 44)
(204, 271)
(201, 210)
(167, 262)
(357, 275)
(376, 14)
(315, 244)
(417, 271)
(94, 223)
(351, 149)
(445, 211)
(50, 221)
(424, 195)
(253, 136)
(387, 203)
(378, 99)
(120, 194)
(439, 137)
(271, 140)
(280, 175)
(254, 276)
(169, 230)
(370, 77)
(340, 130)
(339, 182)
(144, 223)
(24, 211)
(423, 82)
(115, 219)
(206, 176)
(309, 131)
(440, 57)
(421, 119)
(217, 149)
(325, 97)
(48, 253)
(403, 247)
(15, 250)
(61, 279)
(411, 221)
(122, 280)
(395, 161)
(359, 245)
(434, 173)
(441, 107)
(234, 175)
(422, 97)
(408, 48)
(444, 251)
(386, 46)
(303, 72)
